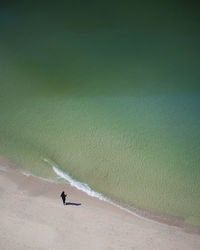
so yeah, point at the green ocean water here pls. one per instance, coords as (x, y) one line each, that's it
(110, 93)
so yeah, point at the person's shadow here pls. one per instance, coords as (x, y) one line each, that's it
(72, 204)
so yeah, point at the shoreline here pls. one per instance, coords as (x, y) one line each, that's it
(149, 215)
(106, 222)
(135, 211)
(142, 213)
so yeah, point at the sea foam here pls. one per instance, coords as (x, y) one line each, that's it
(79, 185)
(85, 188)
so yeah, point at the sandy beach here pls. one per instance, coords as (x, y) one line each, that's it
(33, 217)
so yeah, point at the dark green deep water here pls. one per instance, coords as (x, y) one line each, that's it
(109, 91)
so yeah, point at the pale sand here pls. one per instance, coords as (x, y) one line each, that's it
(32, 216)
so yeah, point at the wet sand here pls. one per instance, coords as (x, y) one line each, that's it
(33, 217)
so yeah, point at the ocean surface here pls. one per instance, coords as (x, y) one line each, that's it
(108, 97)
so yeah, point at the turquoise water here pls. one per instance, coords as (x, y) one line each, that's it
(142, 151)
(114, 101)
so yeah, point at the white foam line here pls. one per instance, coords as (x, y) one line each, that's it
(38, 177)
(79, 185)
(85, 188)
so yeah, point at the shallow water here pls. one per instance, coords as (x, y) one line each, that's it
(114, 104)
(142, 151)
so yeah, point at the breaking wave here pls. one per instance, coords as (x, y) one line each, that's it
(79, 185)
(85, 188)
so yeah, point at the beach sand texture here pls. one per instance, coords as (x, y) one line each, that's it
(33, 217)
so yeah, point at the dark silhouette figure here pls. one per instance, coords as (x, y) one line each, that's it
(63, 196)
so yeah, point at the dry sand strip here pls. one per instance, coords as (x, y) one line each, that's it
(32, 216)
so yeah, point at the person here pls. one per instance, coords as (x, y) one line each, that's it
(63, 196)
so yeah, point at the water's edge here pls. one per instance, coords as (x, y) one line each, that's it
(141, 213)
(138, 212)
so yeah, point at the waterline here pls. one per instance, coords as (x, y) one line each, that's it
(85, 188)
(79, 185)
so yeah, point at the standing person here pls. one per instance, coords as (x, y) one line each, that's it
(63, 196)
